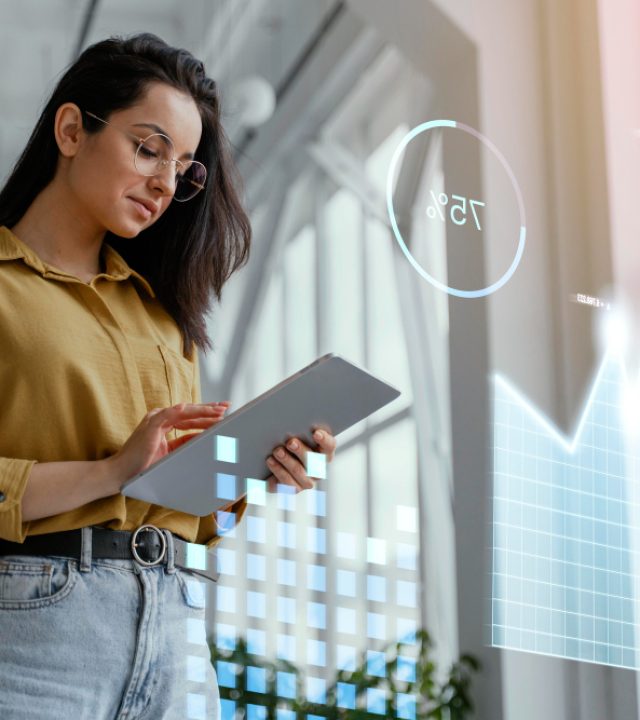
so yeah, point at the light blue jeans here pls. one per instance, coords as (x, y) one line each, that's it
(103, 639)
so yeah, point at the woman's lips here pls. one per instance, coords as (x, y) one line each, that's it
(142, 210)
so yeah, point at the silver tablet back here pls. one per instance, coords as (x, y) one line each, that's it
(331, 392)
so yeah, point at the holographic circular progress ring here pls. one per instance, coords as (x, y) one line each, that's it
(482, 292)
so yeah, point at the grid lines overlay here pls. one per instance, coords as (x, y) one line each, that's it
(563, 579)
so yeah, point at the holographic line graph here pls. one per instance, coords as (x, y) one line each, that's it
(565, 510)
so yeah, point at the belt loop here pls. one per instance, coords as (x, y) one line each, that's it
(171, 552)
(85, 549)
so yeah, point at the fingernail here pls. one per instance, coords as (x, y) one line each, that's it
(270, 461)
(279, 453)
(318, 435)
(293, 444)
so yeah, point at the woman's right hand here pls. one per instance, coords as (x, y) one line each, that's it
(148, 442)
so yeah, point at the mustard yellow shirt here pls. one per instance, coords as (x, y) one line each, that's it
(80, 366)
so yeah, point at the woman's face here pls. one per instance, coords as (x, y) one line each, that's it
(101, 174)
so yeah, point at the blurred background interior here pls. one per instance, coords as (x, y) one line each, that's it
(317, 95)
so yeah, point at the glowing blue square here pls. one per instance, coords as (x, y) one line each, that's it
(406, 518)
(376, 588)
(225, 636)
(196, 591)
(406, 705)
(376, 551)
(286, 609)
(226, 486)
(316, 578)
(286, 685)
(286, 572)
(228, 708)
(256, 604)
(256, 492)
(406, 631)
(225, 599)
(286, 535)
(376, 663)
(346, 583)
(406, 592)
(227, 673)
(406, 669)
(196, 706)
(256, 642)
(196, 632)
(316, 465)
(346, 620)
(316, 690)
(282, 714)
(376, 626)
(316, 540)
(346, 545)
(346, 696)
(256, 529)
(316, 653)
(256, 567)
(316, 615)
(226, 522)
(286, 496)
(226, 449)
(376, 702)
(256, 679)
(345, 658)
(315, 717)
(196, 556)
(286, 647)
(256, 712)
(226, 561)
(196, 668)
(316, 502)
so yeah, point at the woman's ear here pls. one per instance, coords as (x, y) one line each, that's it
(68, 129)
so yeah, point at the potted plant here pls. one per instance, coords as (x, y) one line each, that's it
(407, 686)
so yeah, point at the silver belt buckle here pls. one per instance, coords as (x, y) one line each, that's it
(134, 545)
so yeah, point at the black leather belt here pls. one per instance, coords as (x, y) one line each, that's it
(147, 545)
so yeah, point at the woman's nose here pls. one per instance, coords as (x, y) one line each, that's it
(165, 180)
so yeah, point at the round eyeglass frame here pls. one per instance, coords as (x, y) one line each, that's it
(161, 163)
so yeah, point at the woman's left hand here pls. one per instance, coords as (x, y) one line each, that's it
(290, 468)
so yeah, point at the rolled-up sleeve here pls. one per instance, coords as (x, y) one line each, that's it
(14, 474)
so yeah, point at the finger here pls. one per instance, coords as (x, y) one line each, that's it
(170, 416)
(199, 424)
(282, 475)
(272, 484)
(325, 441)
(293, 467)
(299, 449)
(177, 442)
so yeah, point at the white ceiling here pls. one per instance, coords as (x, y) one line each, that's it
(38, 39)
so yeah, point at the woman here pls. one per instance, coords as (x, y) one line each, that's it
(118, 220)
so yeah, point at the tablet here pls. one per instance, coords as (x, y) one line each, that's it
(331, 392)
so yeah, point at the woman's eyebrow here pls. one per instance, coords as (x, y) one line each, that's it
(158, 129)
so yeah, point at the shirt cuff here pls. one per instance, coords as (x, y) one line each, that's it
(14, 474)
(212, 527)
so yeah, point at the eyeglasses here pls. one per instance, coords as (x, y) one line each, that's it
(155, 152)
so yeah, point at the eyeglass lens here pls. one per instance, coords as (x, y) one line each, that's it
(156, 152)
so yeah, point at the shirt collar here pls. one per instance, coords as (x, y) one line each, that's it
(12, 248)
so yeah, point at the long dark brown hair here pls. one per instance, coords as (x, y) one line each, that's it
(195, 246)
